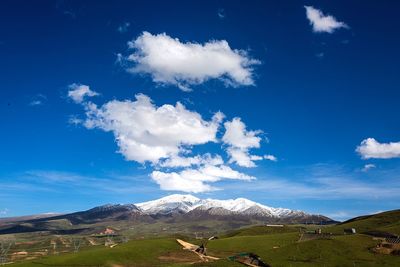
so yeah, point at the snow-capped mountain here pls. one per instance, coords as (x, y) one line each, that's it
(181, 209)
(170, 204)
(241, 206)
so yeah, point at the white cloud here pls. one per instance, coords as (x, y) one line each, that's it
(145, 132)
(176, 182)
(236, 135)
(178, 161)
(165, 135)
(78, 92)
(170, 61)
(239, 142)
(321, 22)
(270, 157)
(367, 167)
(370, 148)
(241, 157)
(196, 180)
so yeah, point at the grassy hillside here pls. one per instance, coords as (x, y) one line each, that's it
(386, 221)
(278, 246)
(262, 230)
(139, 252)
(282, 250)
(277, 249)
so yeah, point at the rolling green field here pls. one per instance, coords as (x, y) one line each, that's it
(277, 246)
(277, 249)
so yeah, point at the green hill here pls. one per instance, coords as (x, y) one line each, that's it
(262, 230)
(386, 222)
(276, 249)
(278, 246)
(283, 250)
(140, 252)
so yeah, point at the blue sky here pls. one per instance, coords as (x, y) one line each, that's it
(316, 94)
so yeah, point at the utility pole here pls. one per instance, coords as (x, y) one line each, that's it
(5, 246)
(77, 245)
(125, 239)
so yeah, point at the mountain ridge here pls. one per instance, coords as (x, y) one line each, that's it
(181, 209)
(186, 203)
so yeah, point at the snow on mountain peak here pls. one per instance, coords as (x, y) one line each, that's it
(180, 198)
(235, 205)
(186, 203)
(171, 203)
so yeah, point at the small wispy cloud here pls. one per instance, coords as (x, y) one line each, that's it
(123, 27)
(221, 13)
(324, 182)
(35, 103)
(4, 212)
(75, 120)
(66, 9)
(368, 167)
(271, 158)
(321, 22)
(53, 176)
(63, 181)
(38, 100)
(320, 55)
(78, 92)
(70, 13)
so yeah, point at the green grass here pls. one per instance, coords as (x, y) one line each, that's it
(339, 251)
(276, 246)
(386, 221)
(138, 252)
(261, 230)
(351, 250)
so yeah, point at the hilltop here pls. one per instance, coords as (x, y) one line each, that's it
(388, 221)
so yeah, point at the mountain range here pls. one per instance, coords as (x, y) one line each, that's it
(240, 206)
(178, 209)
